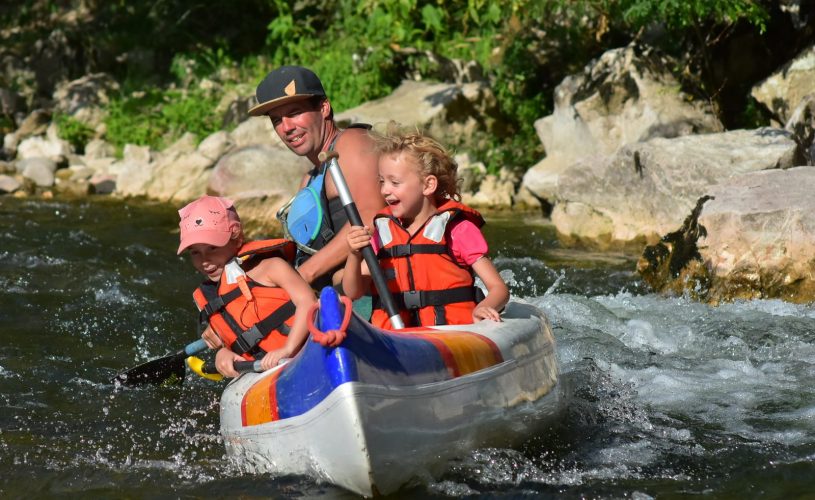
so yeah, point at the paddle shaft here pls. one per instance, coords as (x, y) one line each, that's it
(354, 218)
(240, 367)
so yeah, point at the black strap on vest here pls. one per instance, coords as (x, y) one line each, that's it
(408, 249)
(247, 341)
(417, 299)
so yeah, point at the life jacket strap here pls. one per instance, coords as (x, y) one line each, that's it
(417, 299)
(248, 340)
(216, 303)
(408, 249)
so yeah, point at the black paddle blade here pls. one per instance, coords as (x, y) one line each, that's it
(168, 370)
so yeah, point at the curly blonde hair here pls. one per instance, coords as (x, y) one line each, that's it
(431, 156)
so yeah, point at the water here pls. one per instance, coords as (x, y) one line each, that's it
(668, 397)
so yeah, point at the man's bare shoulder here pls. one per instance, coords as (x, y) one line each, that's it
(355, 140)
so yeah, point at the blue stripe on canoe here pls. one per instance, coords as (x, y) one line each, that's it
(368, 355)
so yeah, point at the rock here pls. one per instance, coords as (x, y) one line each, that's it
(79, 172)
(36, 123)
(186, 144)
(97, 148)
(179, 178)
(258, 169)
(133, 153)
(259, 211)
(214, 146)
(85, 98)
(646, 189)
(74, 188)
(752, 236)
(783, 91)
(133, 180)
(802, 127)
(40, 170)
(449, 112)
(8, 184)
(41, 147)
(254, 131)
(674, 264)
(470, 172)
(628, 95)
(102, 184)
(495, 191)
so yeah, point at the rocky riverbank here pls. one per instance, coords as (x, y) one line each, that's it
(631, 162)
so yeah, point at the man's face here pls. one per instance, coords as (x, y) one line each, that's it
(300, 125)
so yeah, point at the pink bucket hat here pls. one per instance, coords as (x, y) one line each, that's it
(209, 220)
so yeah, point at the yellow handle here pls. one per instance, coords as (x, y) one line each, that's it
(197, 365)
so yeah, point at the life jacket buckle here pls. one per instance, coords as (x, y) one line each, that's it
(412, 299)
(247, 340)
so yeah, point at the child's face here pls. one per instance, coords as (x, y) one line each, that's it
(210, 260)
(404, 189)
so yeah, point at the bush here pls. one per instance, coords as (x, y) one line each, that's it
(77, 133)
(157, 118)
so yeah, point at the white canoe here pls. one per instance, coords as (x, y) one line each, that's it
(387, 407)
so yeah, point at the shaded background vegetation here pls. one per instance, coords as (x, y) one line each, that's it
(162, 53)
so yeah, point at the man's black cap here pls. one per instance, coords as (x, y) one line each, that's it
(284, 85)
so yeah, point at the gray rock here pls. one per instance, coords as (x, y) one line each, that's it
(783, 91)
(214, 146)
(38, 146)
(40, 170)
(449, 112)
(750, 237)
(97, 148)
(647, 189)
(9, 184)
(628, 95)
(258, 168)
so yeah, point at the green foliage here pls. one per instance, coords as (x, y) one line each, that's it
(363, 49)
(682, 14)
(77, 133)
(157, 118)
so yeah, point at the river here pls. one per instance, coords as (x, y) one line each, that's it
(668, 397)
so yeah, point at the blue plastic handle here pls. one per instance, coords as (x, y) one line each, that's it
(195, 347)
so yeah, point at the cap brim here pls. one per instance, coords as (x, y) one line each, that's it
(214, 238)
(264, 107)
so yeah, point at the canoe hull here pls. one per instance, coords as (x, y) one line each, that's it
(378, 431)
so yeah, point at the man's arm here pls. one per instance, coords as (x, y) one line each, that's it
(359, 165)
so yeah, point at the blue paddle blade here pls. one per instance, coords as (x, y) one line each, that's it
(330, 309)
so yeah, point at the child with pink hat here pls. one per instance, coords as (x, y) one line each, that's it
(253, 303)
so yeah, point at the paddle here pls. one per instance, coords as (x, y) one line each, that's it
(207, 370)
(168, 369)
(367, 252)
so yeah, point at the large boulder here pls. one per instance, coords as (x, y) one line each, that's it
(752, 236)
(783, 91)
(448, 111)
(646, 189)
(258, 168)
(628, 95)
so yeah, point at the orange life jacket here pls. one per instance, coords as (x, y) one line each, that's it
(253, 327)
(427, 284)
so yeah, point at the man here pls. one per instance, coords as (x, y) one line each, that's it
(301, 114)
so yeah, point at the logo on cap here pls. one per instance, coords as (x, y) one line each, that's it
(291, 89)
